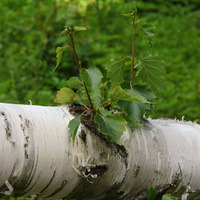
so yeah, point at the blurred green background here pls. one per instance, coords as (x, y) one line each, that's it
(30, 32)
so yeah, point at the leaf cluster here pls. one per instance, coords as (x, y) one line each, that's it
(111, 100)
(152, 194)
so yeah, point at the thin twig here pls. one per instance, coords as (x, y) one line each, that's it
(84, 106)
(103, 103)
(79, 68)
(74, 51)
(127, 57)
(133, 51)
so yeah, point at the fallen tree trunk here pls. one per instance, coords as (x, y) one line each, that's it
(37, 157)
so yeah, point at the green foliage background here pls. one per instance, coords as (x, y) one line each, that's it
(30, 32)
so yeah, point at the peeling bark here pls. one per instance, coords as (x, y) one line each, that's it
(38, 158)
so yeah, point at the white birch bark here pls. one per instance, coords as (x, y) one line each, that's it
(37, 157)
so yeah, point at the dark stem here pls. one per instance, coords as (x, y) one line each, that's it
(133, 51)
(79, 68)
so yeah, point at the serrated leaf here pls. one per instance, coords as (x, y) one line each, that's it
(115, 70)
(59, 53)
(152, 193)
(73, 126)
(111, 125)
(66, 96)
(169, 197)
(92, 78)
(74, 82)
(151, 70)
(146, 31)
(127, 95)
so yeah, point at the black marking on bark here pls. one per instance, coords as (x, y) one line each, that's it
(87, 187)
(25, 124)
(34, 183)
(8, 129)
(146, 124)
(28, 174)
(83, 136)
(114, 193)
(48, 184)
(59, 189)
(136, 170)
(85, 190)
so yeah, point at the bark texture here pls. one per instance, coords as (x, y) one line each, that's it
(37, 157)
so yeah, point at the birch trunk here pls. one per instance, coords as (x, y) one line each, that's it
(37, 157)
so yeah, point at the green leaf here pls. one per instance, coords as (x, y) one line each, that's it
(65, 31)
(136, 96)
(59, 53)
(68, 29)
(66, 96)
(72, 30)
(73, 126)
(152, 193)
(82, 96)
(169, 197)
(115, 70)
(127, 95)
(128, 14)
(131, 13)
(92, 78)
(145, 91)
(134, 110)
(80, 28)
(111, 125)
(146, 31)
(131, 123)
(151, 70)
(104, 90)
(74, 82)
